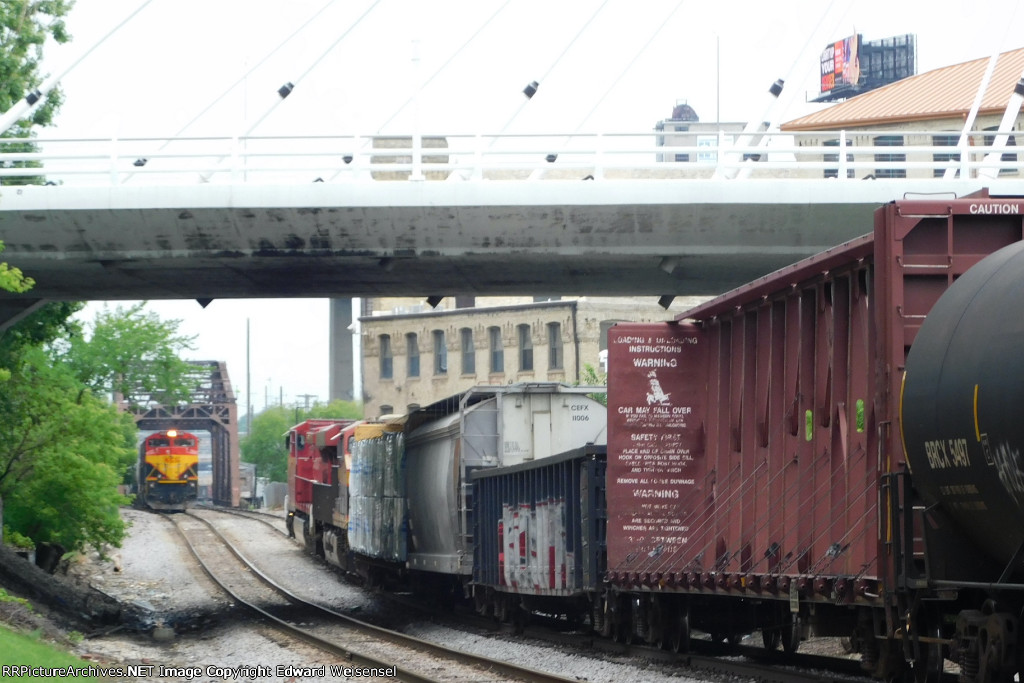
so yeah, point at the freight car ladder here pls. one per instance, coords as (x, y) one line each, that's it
(904, 537)
(467, 521)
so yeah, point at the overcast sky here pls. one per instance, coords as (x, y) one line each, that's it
(455, 66)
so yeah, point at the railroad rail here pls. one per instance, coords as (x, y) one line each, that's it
(705, 656)
(354, 641)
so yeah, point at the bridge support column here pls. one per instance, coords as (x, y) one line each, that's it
(342, 352)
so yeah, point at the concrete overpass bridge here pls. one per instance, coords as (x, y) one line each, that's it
(438, 216)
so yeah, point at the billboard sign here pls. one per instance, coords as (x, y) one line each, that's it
(840, 64)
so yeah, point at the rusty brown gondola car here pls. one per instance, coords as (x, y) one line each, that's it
(758, 478)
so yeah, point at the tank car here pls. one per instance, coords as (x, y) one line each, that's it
(167, 471)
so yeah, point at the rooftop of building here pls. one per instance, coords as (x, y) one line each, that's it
(944, 93)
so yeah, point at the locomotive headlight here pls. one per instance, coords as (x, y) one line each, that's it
(172, 432)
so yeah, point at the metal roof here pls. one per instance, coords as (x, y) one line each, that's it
(942, 93)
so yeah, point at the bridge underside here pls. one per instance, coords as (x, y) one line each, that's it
(422, 239)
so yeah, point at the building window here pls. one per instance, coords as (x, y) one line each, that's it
(940, 157)
(386, 358)
(834, 158)
(890, 141)
(440, 353)
(468, 352)
(1007, 156)
(555, 346)
(497, 351)
(412, 353)
(525, 348)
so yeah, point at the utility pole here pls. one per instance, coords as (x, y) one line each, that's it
(306, 398)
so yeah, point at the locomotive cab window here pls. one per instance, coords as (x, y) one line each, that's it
(159, 443)
(184, 443)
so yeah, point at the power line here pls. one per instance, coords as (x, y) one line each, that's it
(443, 66)
(629, 66)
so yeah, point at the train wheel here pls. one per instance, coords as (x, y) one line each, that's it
(660, 624)
(607, 618)
(482, 603)
(929, 664)
(622, 620)
(790, 632)
(772, 638)
(308, 540)
(501, 608)
(681, 631)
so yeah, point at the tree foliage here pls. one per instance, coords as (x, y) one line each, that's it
(264, 444)
(63, 451)
(593, 377)
(64, 448)
(134, 354)
(25, 26)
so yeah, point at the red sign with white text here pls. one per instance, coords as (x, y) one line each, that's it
(657, 379)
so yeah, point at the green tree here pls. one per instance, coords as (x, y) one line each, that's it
(63, 451)
(12, 279)
(592, 377)
(25, 25)
(264, 445)
(133, 354)
(63, 447)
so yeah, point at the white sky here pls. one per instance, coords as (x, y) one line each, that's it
(623, 73)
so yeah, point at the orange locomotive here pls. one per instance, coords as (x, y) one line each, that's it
(168, 470)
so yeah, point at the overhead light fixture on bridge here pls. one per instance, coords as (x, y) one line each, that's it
(666, 301)
(531, 89)
(286, 90)
(347, 158)
(140, 162)
(204, 302)
(669, 264)
(551, 158)
(434, 300)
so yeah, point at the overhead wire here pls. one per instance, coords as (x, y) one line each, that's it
(285, 90)
(255, 66)
(629, 66)
(443, 66)
(315, 62)
(554, 64)
(25, 106)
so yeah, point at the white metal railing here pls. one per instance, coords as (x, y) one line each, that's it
(653, 155)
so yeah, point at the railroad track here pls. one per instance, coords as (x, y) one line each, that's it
(354, 642)
(708, 658)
